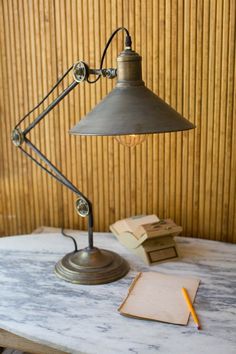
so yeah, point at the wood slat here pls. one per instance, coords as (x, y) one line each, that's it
(188, 50)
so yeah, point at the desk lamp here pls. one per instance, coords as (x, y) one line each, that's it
(128, 112)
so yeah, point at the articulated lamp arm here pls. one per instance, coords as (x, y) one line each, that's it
(19, 137)
(83, 204)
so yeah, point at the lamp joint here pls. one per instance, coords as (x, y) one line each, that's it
(80, 71)
(110, 73)
(17, 137)
(82, 207)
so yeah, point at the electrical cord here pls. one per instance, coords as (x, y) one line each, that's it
(128, 43)
(72, 238)
(44, 99)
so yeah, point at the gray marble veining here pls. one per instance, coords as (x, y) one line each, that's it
(84, 319)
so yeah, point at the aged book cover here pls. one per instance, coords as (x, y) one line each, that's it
(157, 296)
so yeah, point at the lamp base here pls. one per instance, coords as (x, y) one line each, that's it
(91, 266)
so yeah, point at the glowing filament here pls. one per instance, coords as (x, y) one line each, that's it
(131, 140)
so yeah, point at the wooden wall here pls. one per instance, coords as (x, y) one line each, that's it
(188, 49)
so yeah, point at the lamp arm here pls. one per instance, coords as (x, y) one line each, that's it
(83, 204)
(80, 73)
(50, 107)
(58, 174)
(18, 137)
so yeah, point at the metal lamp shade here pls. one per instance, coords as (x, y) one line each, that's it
(131, 108)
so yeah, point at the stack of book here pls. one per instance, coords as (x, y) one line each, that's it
(149, 237)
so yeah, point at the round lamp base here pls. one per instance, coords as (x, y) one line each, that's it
(91, 266)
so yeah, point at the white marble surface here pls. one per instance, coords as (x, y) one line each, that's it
(35, 304)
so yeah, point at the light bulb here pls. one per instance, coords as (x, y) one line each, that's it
(131, 140)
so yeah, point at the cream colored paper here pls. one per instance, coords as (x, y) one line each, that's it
(157, 296)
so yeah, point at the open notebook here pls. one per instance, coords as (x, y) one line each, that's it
(157, 296)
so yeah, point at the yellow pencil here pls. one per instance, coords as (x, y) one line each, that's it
(190, 307)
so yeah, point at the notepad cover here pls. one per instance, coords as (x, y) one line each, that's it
(157, 296)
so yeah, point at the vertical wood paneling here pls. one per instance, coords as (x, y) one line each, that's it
(188, 50)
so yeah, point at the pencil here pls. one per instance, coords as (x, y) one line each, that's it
(191, 308)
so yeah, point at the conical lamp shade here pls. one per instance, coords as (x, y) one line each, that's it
(131, 108)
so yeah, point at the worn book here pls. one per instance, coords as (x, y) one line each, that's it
(149, 237)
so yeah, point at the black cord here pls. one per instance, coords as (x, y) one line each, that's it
(73, 239)
(48, 94)
(128, 43)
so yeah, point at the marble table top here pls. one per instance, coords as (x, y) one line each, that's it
(37, 305)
